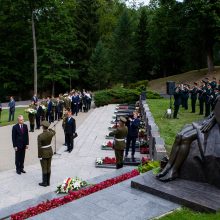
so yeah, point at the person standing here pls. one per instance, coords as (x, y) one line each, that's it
(69, 130)
(39, 114)
(20, 142)
(194, 92)
(208, 98)
(177, 101)
(31, 116)
(133, 126)
(120, 135)
(201, 97)
(34, 99)
(11, 106)
(75, 103)
(49, 110)
(45, 152)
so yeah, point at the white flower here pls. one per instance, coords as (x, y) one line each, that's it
(77, 185)
(99, 161)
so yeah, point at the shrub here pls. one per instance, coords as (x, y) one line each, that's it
(151, 165)
(120, 95)
(141, 84)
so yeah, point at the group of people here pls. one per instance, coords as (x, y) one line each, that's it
(44, 113)
(52, 109)
(125, 136)
(206, 93)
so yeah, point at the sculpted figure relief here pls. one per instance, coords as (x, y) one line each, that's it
(206, 134)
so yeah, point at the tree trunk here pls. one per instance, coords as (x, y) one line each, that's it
(210, 62)
(53, 88)
(35, 53)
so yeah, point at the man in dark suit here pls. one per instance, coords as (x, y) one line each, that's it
(75, 103)
(69, 130)
(49, 110)
(133, 126)
(177, 100)
(34, 99)
(11, 106)
(38, 115)
(20, 141)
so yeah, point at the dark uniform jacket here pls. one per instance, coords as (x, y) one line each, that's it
(44, 139)
(119, 133)
(20, 138)
(177, 97)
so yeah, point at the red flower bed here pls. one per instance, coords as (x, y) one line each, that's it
(50, 204)
(109, 160)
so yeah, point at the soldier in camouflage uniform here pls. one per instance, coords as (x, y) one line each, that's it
(31, 117)
(120, 135)
(45, 152)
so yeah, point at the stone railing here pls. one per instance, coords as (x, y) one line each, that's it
(156, 143)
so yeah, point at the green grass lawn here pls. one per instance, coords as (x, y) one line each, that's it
(168, 129)
(5, 114)
(187, 214)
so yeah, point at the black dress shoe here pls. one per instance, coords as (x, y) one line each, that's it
(23, 171)
(18, 172)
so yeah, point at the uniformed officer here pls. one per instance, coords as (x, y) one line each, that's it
(194, 92)
(120, 135)
(208, 99)
(45, 152)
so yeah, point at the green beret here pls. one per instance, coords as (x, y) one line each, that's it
(45, 124)
(123, 119)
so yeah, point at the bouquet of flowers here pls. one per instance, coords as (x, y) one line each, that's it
(43, 107)
(71, 184)
(99, 161)
(108, 144)
(106, 160)
(31, 111)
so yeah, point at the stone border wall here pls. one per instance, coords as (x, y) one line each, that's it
(156, 143)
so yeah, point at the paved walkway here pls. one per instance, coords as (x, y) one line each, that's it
(117, 202)
(7, 151)
(80, 162)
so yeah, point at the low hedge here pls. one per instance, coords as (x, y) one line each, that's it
(120, 95)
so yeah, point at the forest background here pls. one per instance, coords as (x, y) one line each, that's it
(95, 44)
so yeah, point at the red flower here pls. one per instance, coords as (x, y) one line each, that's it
(144, 150)
(50, 204)
(109, 144)
(144, 160)
(108, 160)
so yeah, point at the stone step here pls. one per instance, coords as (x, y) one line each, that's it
(195, 195)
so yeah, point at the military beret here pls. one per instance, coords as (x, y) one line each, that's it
(45, 124)
(123, 119)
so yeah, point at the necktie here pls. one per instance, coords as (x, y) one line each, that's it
(22, 129)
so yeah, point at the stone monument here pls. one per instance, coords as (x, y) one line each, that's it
(195, 153)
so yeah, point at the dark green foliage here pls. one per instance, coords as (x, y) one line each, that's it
(120, 95)
(108, 42)
(142, 83)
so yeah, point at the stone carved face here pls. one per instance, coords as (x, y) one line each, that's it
(217, 110)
